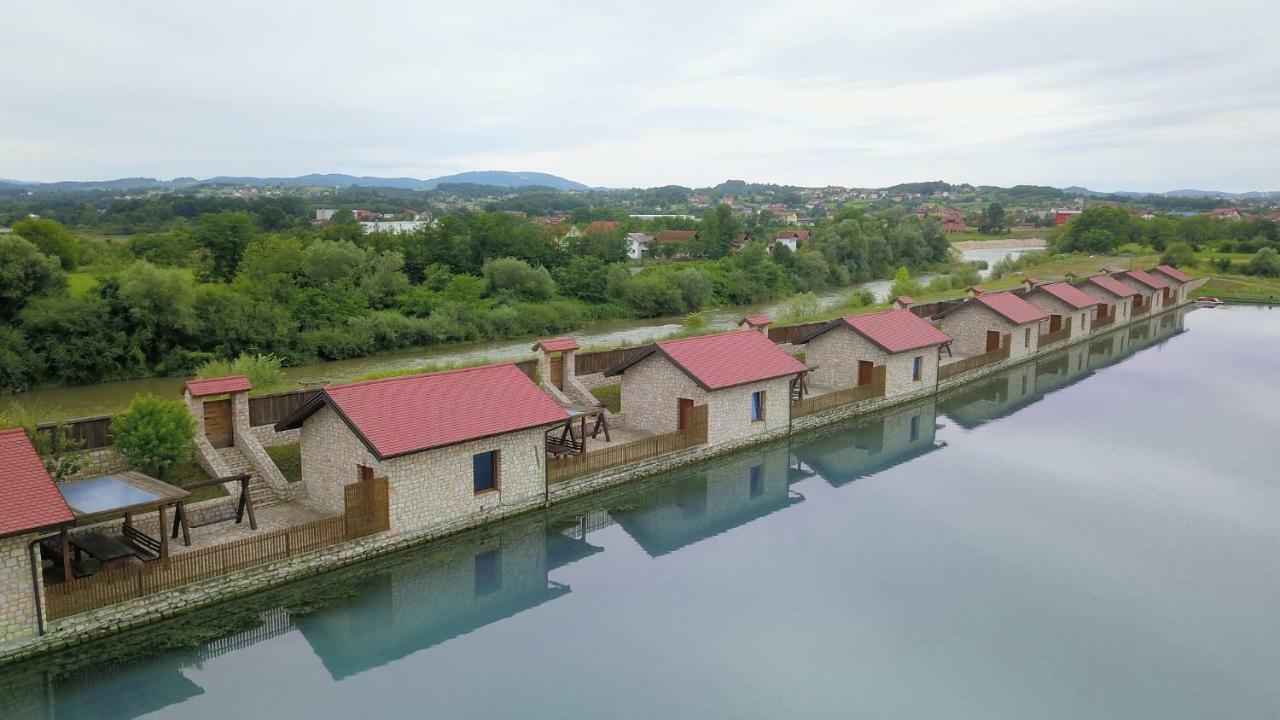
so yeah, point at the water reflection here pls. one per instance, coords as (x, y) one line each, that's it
(379, 613)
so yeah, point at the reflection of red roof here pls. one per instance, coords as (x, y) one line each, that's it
(756, 320)
(402, 415)
(557, 344)
(219, 386)
(1113, 286)
(729, 359)
(1069, 294)
(896, 330)
(29, 500)
(1012, 308)
(1173, 272)
(1147, 279)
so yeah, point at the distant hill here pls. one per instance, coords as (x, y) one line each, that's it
(495, 178)
(1188, 193)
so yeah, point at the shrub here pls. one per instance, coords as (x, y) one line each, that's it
(154, 435)
(861, 298)
(1179, 254)
(518, 278)
(263, 371)
(1266, 262)
(904, 284)
(799, 306)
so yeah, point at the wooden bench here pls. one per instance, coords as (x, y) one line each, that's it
(146, 548)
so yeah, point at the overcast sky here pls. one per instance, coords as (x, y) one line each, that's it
(1122, 94)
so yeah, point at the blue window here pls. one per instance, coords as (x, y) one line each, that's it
(757, 480)
(917, 367)
(757, 406)
(484, 471)
(488, 572)
(915, 428)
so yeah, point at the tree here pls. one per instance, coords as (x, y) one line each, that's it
(695, 288)
(225, 235)
(328, 262)
(384, 279)
(154, 435)
(25, 273)
(1179, 254)
(993, 220)
(904, 284)
(52, 238)
(585, 277)
(516, 277)
(1265, 262)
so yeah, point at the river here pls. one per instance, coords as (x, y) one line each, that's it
(72, 401)
(1090, 535)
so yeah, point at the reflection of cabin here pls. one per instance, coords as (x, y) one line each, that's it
(1065, 304)
(440, 593)
(1176, 293)
(977, 324)
(846, 350)
(742, 378)
(873, 446)
(681, 512)
(993, 398)
(1115, 299)
(451, 444)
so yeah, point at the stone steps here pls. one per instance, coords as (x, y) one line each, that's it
(261, 493)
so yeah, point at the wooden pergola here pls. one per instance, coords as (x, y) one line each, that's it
(574, 442)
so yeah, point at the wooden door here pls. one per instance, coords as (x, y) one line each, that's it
(684, 413)
(557, 370)
(1055, 323)
(1102, 311)
(865, 370)
(993, 340)
(217, 423)
(366, 473)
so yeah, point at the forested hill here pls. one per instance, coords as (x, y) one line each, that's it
(493, 178)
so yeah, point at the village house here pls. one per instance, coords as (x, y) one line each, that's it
(1066, 305)
(742, 377)
(979, 323)
(1115, 299)
(638, 244)
(679, 238)
(792, 240)
(1150, 289)
(846, 351)
(952, 221)
(1176, 293)
(453, 445)
(1225, 213)
(29, 504)
(602, 226)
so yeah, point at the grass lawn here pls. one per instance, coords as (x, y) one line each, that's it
(190, 472)
(610, 396)
(81, 283)
(289, 459)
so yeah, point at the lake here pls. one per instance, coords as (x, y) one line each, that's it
(1091, 535)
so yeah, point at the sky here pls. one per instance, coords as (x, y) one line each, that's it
(1123, 94)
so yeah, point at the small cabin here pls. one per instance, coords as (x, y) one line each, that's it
(742, 378)
(846, 350)
(759, 323)
(979, 324)
(1067, 305)
(1150, 290)
(451, 445)
(1115, 299)
(1176, 293)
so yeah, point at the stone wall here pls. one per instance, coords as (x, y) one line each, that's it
(837, 352)
(1151, 298)
(1080, 319)
(969, 325)
(1121, 308)
(246, 441)
(268, 437)
(17, 602)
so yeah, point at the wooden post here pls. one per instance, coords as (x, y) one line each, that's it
(164, 536)
(66, 555)
(248, 502)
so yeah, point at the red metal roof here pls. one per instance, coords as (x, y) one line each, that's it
(557, 344)
(1113, 286)
(407, 414)
(1012, 308)
(756, 320)
(1147, 279)
(1174, 273)
(897, 330)
(905, 300)
(219, 386)
(729, 359)
(1069, 294)
(29, 499)
(676, 236)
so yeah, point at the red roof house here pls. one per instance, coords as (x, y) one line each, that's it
(29, 499)
(219, 386)
(1171, 273)
(1145, 278)
(1112, 286)
(893, 331)
(742, 377)
(846, 350)
(756, 322)
(602, 226)
(1012, 308)
(679, 237)
(1066, 293)
(980, 323)
(1066, 305)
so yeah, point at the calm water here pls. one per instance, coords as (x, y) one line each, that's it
(1092, 535)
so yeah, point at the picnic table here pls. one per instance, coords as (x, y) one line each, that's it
(103, 548)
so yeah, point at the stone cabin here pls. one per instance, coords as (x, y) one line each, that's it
(30, 503)
(1064, 302)
(1150, 289)
(1115, 299)
(978, 323)
(759, 323)
(453, 445)
(847, 349)
(1177, 280)
(742, 377)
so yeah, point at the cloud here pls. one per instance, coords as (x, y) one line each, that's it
(1104, 94)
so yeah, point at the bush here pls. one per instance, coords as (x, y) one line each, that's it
(154, 435)
(861, 298)
(904, 284)
(518, 278)
(263, 371)
(1179, 254)
(799, 306)
(1266, 262)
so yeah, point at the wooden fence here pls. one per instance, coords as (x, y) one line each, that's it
(847, 396)
(93, 432)
(973, 363)
(271, 409)
(571, 466)
(108, 587)
(1055, 336)
(597, 362)
(1141, 310)
(791, 333)
(1104, 321)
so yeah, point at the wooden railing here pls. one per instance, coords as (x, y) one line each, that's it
(1104, 321)
(1141, 309)
(571, 466)
(847, 396)
(108, 587)
(1056, 336)
(973, 363)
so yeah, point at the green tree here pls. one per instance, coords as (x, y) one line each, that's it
(1179, 254)
(328, 262)
(52, 238)
(695, 288)
(225, 235)
(994, 220)
(516, 277)
(1265, 262)
(904, 284)
(25, 273)
(584, 277)
(154, 435)
(384, 279)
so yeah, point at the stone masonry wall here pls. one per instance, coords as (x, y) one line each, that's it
(837, 352)
(1081, 320)
(1119, 308)
(650, 389)
(246, 441)
(729, 411)
(970, 323)
(17, 603)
